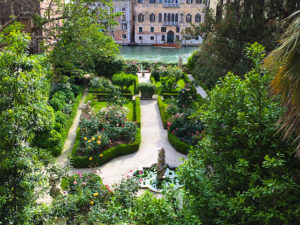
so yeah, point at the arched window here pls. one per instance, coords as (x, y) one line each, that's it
(189, 1)
(198, 18)
(176, 17)
(165, 17)
(141, 18)
(198, 1)
(188, 18)
(123, 13)
(152, 1)
(152, 17)
(181, 18)
(173, 17)
(160, 17)
(169, 17)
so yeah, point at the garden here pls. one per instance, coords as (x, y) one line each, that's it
(112, 126)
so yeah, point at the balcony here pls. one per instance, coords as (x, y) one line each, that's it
(171, 5)
(166, 23)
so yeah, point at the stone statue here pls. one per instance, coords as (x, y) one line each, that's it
(161, 163)
(54, 182)
(180, 62)
(86, 108)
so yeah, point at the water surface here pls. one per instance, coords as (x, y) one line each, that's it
(154, 54)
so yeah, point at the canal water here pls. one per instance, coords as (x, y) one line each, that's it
(154, 54)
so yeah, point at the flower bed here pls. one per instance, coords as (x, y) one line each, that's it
(106, 136)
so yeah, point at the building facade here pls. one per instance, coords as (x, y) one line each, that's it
(167, 21)
(122, 33)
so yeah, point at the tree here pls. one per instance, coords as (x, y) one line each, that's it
(226, 35)
(284, 61)
(24, 111)
(242, 172)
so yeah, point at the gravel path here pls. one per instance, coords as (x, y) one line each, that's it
(154, 137)
(67, 149)
(199, 89)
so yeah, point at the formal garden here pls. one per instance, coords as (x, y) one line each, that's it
(142, 144)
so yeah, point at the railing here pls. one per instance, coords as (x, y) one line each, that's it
(166, 23)
(171, 5)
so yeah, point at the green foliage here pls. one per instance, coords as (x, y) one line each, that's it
(179, 145)
(81, 47)
(24, 112)
(109, 66)
(163, 113)
(138, 111)
(147, 89)
(124, 80)
(131, 68)
(101, 84)
(151, 210)
(226, 33)
(242, 172)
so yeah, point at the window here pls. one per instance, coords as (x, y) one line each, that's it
(124, 36)
(160, 1)
(140, 1)
(188, 18)
(160, 17)
(198, 1)
(140, 37)
(198, 18)
(177, 29)
(152, 17)
(163, 37)
(152, 1)
(140, 29)
(165, 17)
(176, 17)
(124, 26)
(197, 38)
(181, 18)
(151, 29)
(151, 38)
(141, 17)
(163, 29)
(123, 13)
(189, 1)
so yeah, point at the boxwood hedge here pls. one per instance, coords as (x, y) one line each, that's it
(179, 145)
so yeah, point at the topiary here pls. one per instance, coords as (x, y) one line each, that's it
(60, 118)
(147, 89)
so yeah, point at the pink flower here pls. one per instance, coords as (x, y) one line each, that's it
(83, 183)
(140, 172)
(127, 176)
(117, 124)
(173, 131)
(130, 171)
(176, 128)
(122, 125)
(80, 174)
(141, 180)
(75, 182)
(102, 129)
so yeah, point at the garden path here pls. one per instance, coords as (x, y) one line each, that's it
(154, 137)
(199, 89)
(67, 149)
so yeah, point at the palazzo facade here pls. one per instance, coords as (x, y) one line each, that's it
(148, 22)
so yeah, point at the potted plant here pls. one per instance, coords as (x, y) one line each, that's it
(147, 90)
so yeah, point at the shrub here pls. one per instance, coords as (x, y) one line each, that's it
(61, 118)
(50, 140)
(185, 99)
(124, 80)
(179, 145)
(162, 110)
(146, 89)
(138, 111)
(131, 69)
(109, 66)
(57, 103)
(101, 84)
(156, 75)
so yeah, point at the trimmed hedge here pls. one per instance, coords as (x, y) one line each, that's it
(103, 96)
(109, 154)
(171, 94)
(179, 145)
(64, 134)
(138, 110)
(164, 115)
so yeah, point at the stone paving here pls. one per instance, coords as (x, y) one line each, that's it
(199, 89)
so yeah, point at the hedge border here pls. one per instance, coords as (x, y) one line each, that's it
(64, 135)
(109, 154)
(179, 145)
(138, 116)
(163, 114)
